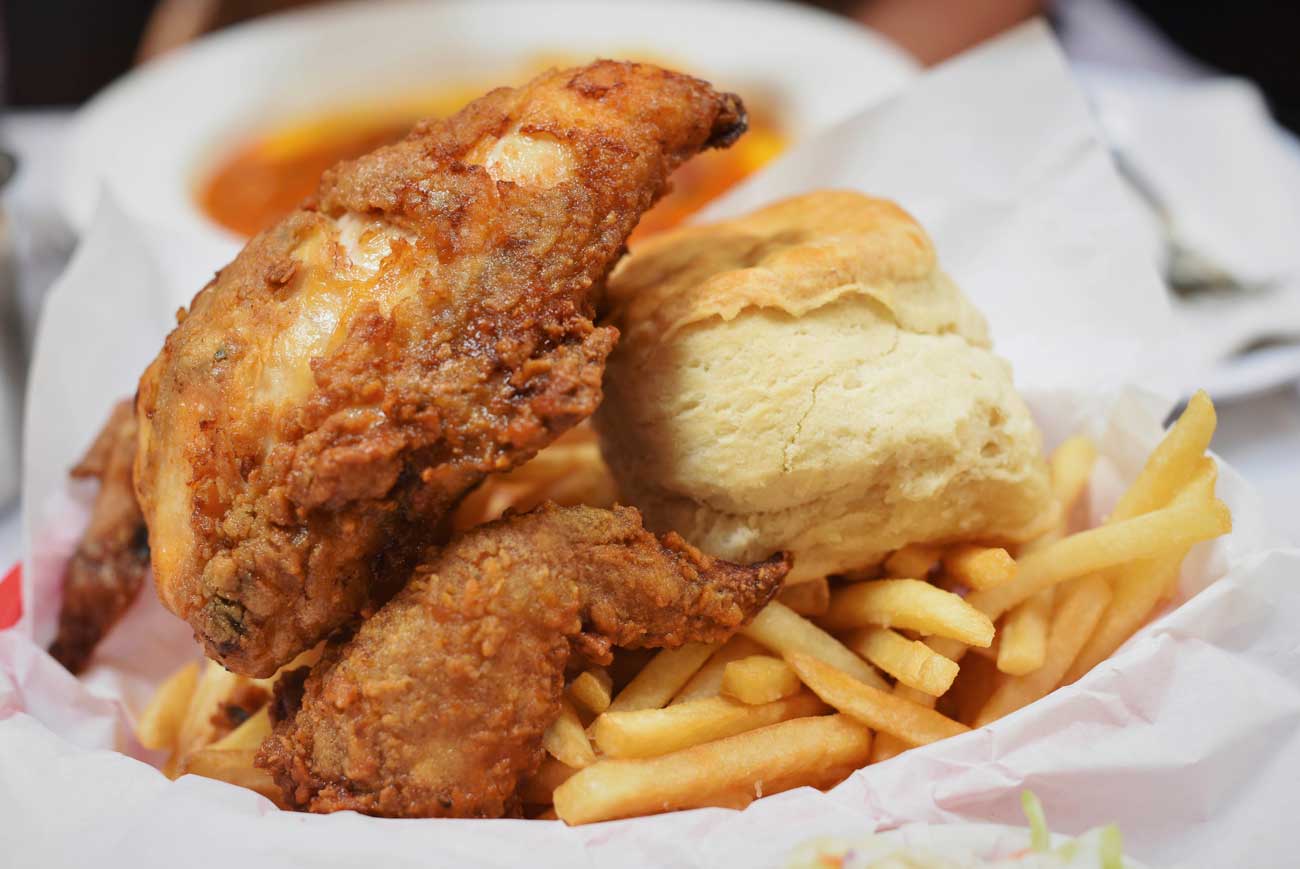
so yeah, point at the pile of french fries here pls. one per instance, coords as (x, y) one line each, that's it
(835, 674)
(211, 722)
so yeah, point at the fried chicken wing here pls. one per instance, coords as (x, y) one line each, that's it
(109, 566)
(423, 321)
(438, 705)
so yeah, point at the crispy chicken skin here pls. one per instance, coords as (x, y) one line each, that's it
(436, 708)
(423, 321)
(109, 566)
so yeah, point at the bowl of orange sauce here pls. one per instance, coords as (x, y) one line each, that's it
(222, 137)
(260, 180)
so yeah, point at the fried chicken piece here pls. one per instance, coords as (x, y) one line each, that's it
(109, 566)
(436, 708)
(425, 320)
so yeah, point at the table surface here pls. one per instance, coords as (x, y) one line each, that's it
(1259, 435)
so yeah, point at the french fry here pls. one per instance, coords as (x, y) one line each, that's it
(759, 679)
(740, 796)
(1179, 453)
(951, 649)
(784, 631)
(1071, 467)
(1023, 635)
(990, 651)
(976, 682)
(880, 710)
(566, 739)
(569, 471)
(1138, 587)
(1137, 590)
(537, 788)
(232, 765)
(249, 735)
(1172, 463)
(1022, 641)
(979, 567)
(1081, 605)
(663, 677)
(591, 689)
(911, 604)
(707, 681)
(887, 746)
(197, 730)
(911, 662)
(1177, 526)
(914, 561)
(160, 722)
(821, 779)
(653, 732)
(697, 776)
(809, 598)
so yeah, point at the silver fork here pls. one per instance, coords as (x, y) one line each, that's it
(1188, 272)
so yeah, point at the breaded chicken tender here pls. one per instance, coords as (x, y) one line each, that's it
(109, 566)
(423, 321)
(436, 708)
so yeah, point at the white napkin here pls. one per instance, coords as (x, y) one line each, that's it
(1229, 179)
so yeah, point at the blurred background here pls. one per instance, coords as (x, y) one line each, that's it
(1199, 102)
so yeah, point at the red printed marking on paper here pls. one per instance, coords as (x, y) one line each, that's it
(11, 597)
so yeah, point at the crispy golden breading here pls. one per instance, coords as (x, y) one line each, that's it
(438, 705)
(424, 321)
(109, 566)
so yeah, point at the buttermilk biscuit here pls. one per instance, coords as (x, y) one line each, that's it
(805, 378)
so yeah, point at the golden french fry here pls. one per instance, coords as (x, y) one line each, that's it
(1177, 526)
(990, 651)
(569, 471)
(699, 775)
(742, 795)
(951, 649)
(880, 710)
(911, 662)
(1139, 586)
(249, 735)
(784, 631)
(979, 567)
(1172, 463)
(1022, 639)
(160, 722)
(215, 686)
(663, 677)
(1137, 590)
(652, 732)
(914, 561)
(978, 678)
(807, 598)
(566, 739)
(592, 690)
(910, 604)
(887, 746)
(707, 681)
(232, 765)
(537, 788)
(1071, 467)
(305, 658)
(1081, 605)
(1023, 635)
(759, 679)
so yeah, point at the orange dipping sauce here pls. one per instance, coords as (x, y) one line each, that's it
(263, 180)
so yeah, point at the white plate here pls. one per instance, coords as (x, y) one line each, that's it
(154, 133)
